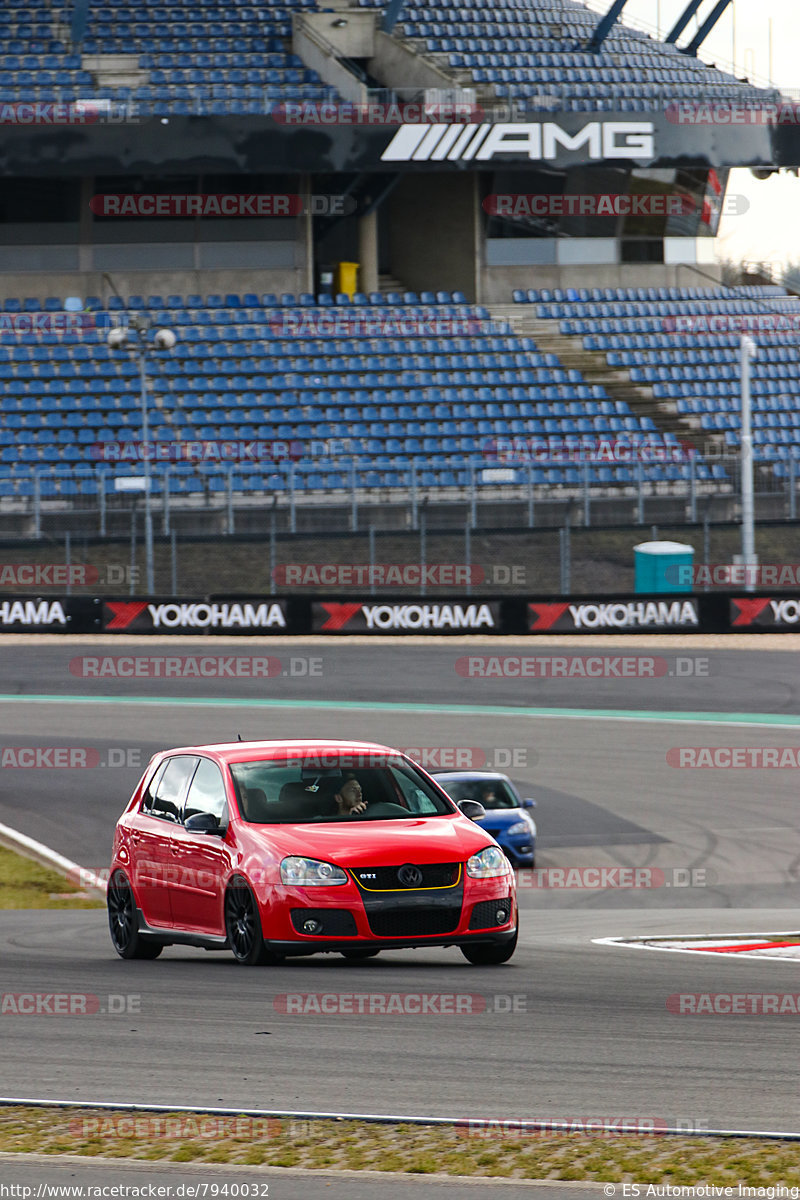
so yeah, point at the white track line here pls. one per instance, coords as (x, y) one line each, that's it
(82, 877)
(377, 1118)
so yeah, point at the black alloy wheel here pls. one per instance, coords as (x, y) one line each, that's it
(243, 926)
(123, 922)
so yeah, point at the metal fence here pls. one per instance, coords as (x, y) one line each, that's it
(355, 490)
(458, 561)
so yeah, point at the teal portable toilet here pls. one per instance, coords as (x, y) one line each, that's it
(663, 567)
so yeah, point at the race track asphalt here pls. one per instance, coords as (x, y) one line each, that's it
(569, 1030)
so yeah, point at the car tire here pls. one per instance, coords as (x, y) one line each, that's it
(123, 922)
(488, 955)
(356, 954)
(243, 926)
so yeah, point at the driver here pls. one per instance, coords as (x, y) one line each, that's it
(349, 799)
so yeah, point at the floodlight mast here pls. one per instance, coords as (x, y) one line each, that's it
(119, 339)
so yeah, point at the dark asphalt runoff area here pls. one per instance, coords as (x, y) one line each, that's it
(568, 1030)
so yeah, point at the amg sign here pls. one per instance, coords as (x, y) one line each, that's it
(596, 142)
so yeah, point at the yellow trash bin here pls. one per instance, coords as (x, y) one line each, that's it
(346, 278)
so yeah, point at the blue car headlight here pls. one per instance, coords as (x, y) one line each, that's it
(520, 827)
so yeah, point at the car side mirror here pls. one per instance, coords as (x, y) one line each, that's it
(528, 803)
(471, 809)
(204, 823)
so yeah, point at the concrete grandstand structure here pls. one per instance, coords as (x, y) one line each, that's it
(497, 333)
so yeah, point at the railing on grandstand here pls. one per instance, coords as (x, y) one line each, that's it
(552, 98)
(722, 64)
(464, 104)
(691, 487)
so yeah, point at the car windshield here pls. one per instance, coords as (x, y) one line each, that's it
(296, 791)
(491, 793)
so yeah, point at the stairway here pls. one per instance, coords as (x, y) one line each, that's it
(615, 380)
(388, 283)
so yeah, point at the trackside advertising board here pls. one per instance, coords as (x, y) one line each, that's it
(513, 616)
(421, 616)
(765, 614)
(661, 614)
(222, 615)
(37, 141)
(48, 614)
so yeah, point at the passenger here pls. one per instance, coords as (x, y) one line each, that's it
(349, 799)
(488, 796)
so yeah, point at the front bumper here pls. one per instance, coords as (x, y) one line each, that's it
(305, 920)
(296, 948)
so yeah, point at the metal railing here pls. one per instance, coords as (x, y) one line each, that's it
(533, 489)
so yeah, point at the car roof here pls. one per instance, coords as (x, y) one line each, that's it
(252, 751)
(469, 775)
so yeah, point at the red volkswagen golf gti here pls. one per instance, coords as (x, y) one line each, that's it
(272, 849)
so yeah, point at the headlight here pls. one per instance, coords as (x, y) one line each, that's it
(305, 871)
(488, 863)
(520, 827)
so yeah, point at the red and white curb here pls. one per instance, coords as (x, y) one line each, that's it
(777, 946)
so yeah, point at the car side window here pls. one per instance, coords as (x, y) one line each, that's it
(168, 799)
(207, 793)
(150, 791)
(415, 799)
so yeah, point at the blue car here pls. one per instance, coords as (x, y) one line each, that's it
(508, 817)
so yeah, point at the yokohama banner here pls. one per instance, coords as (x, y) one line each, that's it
(49, 614)
(302, 616)
(263, 615)
(407, 616)
(776, 614)
(664, 614)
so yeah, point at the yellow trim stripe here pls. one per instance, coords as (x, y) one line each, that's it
(364, 888)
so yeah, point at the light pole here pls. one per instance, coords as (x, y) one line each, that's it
(748, 351)
(119, 338)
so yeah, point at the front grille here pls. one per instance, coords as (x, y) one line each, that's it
(485, 915)
(335, 922)
(414, 922)
(384, 879)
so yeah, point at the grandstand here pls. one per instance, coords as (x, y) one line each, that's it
(478, 350)
(537, 52)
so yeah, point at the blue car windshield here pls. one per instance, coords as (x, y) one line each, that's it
(491, 793)
(278, 792)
